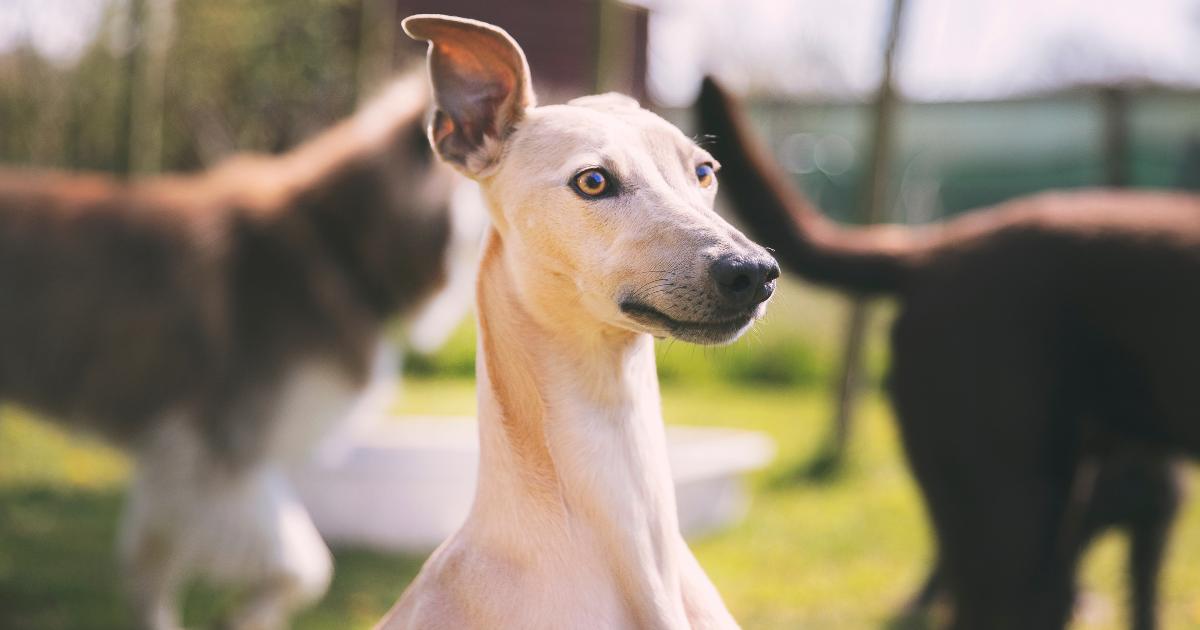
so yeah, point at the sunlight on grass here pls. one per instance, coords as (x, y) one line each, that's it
(38, 453)
(839, 554)
(797, 343)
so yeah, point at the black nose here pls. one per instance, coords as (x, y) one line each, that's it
(745, 281)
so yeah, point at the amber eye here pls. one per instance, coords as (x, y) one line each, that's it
(706, 175)
(592, 182)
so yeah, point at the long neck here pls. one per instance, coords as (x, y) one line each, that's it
(573, 455)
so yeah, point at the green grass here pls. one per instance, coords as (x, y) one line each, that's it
(841, 554)
(796, 344)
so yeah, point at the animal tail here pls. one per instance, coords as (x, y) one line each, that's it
(873, 259)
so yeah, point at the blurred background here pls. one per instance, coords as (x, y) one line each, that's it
(982, 100)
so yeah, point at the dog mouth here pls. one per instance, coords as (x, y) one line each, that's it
(712, 331)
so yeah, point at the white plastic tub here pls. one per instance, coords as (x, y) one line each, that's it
(407, 485)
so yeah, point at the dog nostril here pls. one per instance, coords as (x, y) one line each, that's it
(739, 279)
(773, 272)
(740, 283)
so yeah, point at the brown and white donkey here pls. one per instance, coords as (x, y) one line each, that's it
(214, 326)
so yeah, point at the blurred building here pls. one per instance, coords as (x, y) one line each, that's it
(574, 47)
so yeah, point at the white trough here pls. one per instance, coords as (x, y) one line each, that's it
(407, 485)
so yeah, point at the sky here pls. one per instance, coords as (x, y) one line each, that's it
(952, 49)
(58, 29)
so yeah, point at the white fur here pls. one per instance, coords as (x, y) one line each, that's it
(190, 514)
(437, 319)
(372, 405)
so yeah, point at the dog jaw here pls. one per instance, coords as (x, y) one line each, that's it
(713, 332)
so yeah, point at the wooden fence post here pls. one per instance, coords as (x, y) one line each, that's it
(874, 202)
(139, 144)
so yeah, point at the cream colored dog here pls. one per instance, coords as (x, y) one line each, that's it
(603, 236)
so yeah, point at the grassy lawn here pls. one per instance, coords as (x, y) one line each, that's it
(834, 554)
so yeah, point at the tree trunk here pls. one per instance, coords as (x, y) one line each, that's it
(874, 203)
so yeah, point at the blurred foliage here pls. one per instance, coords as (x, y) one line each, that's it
(796, 344)
(262, 74)
(456, 358)
(52, 116)
(240, 75)
(787, 359)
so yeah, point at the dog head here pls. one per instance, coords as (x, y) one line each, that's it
(610, 206)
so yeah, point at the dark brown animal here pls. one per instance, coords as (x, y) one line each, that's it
(213, 325)
(1135, 491)
(1028, 334)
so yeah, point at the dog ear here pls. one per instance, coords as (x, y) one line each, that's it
(481, 86)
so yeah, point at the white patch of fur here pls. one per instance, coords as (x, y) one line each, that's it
(372, 405)
(190, 514)
(311, 400)
(438, 318)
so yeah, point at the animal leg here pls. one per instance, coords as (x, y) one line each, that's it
(153, 571)
(996, 475)
(1148, 540)
(264, 538)
(193, 513)
(926, 596)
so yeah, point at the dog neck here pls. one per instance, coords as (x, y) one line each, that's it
(573, 469)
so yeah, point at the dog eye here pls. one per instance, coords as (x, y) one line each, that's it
(594, 182)
(706, 175)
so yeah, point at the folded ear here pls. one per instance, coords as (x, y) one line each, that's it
(481, 87)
